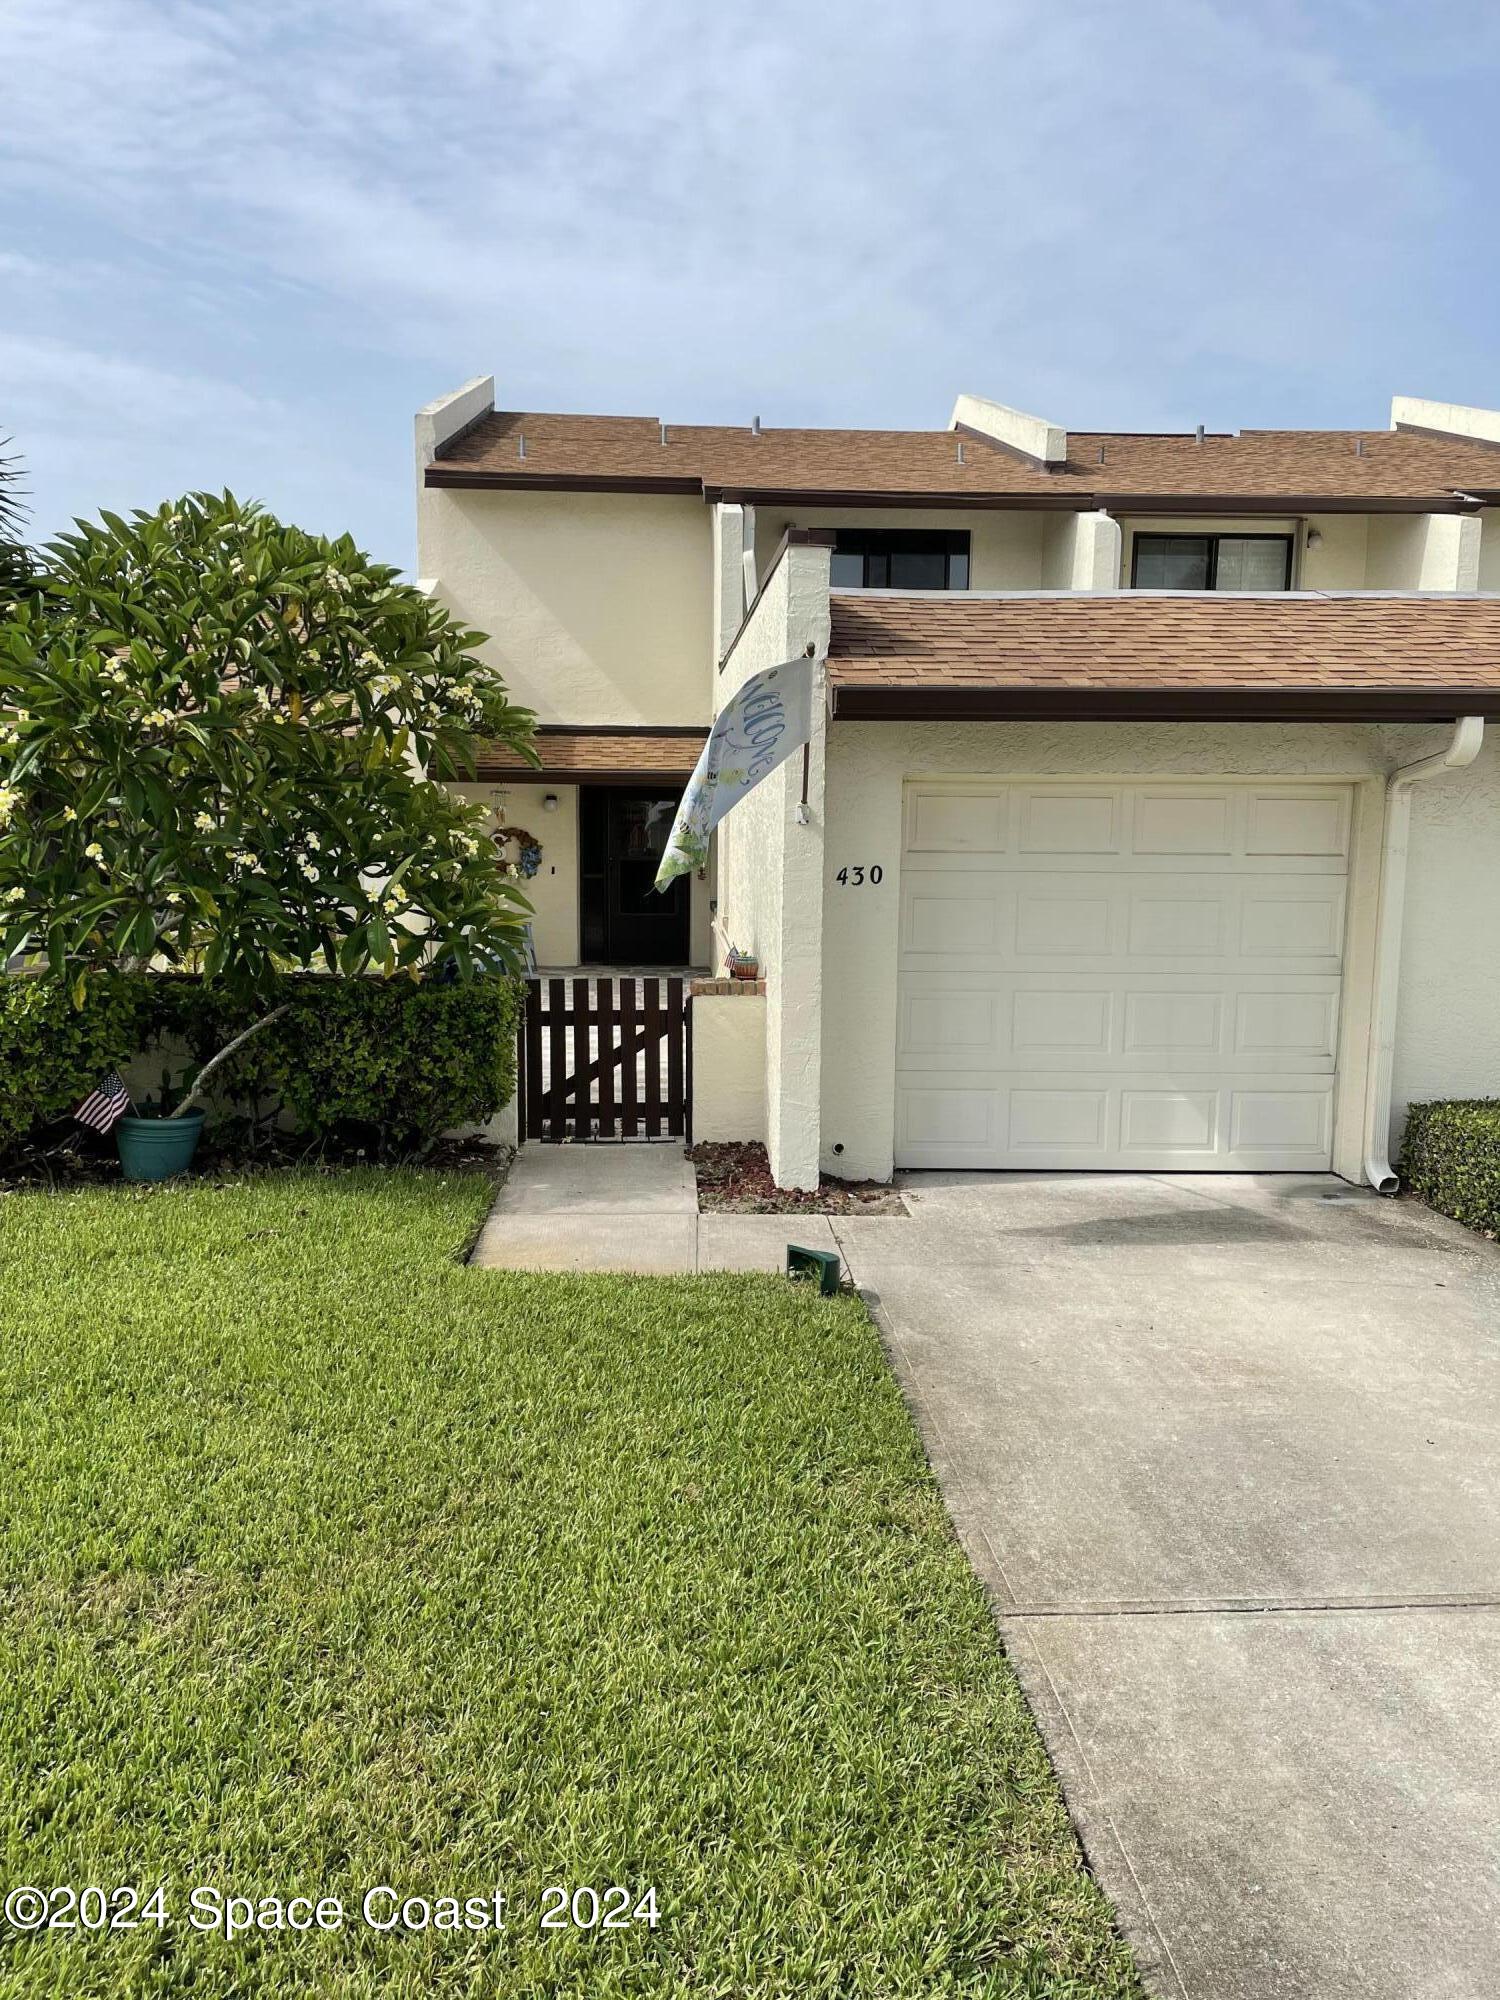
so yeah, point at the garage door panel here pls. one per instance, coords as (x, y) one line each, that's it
(1176, 1024)
(1063, 819)
(1287, 1023)
(940, 821)
(962, 1026)
(1048, 1119)
(1311, 822)
(1172, 923)
(1080, 1021)
(1063, 919)
(1146, 977)
(986, 1023)
(1173, 1121)
(1198, 825)
(1273, 1121)
(954, 919)
(1293, 921)
(1146, 1125)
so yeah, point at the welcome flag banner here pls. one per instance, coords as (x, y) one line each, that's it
(758, 729)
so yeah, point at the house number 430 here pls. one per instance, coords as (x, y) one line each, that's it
(856, 876)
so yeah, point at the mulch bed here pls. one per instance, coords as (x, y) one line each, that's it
(734, 1178)
(75, 1157)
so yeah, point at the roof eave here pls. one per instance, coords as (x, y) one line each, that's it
(852, 702)
(477, 477)
(503, 774)
(1292, 503)
(1072, 500)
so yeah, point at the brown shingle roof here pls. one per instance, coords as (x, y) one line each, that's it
(598, 756)
(1267, 466)
(1156, 653)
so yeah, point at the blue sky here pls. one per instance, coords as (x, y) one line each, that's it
(241, 242)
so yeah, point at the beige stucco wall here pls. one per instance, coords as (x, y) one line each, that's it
(1005, 544)
(1448, 1029)
(729, 1066)
(1448, 1032)
(1396, 544)
(1489, 549)
(553, 890)
(770, 869)
(599, 606)
(1341, 559)
(1423, 552)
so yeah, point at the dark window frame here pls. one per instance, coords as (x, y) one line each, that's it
(1212, 537)
(878, 545)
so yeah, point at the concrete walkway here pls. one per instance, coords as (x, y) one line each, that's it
(1227, 1453)
(628, 1208)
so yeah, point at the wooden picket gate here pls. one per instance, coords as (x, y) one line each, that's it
(606, 1059)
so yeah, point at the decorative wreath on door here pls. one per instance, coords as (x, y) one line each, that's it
(527, 856)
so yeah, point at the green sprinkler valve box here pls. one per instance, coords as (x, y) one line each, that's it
(809, 1265)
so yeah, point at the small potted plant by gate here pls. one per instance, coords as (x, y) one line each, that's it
(153, 1145)
(159, 1140)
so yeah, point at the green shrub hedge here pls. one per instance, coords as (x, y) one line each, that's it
(53, 1053)
(1451, 1157)
(386, 1065)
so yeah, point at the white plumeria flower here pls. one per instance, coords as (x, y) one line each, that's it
(10, 798)
(205, 822)
(314, 843)
(94, 851)
(174, 899)
(69, 815)
(12, 896)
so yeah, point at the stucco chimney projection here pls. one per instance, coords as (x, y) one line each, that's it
(1035, 436)
(1457, 419)
(437, 424)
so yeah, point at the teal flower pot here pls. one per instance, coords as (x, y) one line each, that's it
(153, 1149)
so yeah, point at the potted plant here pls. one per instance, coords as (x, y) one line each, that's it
(216, 736)
(153, 1143)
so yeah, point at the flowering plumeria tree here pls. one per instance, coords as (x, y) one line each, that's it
(215, 738)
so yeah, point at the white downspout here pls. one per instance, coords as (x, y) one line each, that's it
(1468, 735)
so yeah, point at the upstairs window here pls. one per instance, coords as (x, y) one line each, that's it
(1211, 562)
(900, 559)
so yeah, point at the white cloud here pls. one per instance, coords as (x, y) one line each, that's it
(831, 213)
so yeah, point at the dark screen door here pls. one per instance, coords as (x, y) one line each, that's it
(625, 921)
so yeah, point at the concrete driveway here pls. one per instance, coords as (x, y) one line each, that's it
(1227, 1452)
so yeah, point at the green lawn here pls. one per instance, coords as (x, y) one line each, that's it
(328, 1563)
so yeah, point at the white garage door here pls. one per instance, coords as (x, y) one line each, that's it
(1120, 975)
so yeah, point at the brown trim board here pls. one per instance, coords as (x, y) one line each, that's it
(493, 774)
(1160, 704)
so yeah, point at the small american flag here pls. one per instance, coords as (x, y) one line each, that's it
(105, 1105)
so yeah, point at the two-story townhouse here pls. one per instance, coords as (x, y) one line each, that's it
(1147, 821)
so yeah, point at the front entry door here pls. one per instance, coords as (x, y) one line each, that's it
(625, 921)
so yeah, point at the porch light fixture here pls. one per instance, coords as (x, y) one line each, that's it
(549, 802)
(1315, 538)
